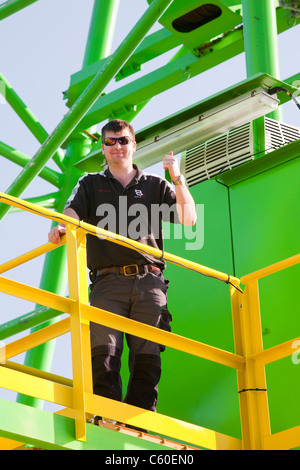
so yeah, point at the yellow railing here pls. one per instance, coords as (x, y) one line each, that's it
(77, 396)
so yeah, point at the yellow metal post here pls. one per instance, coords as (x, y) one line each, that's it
(76, 253)
(238, 333)
(251, 381)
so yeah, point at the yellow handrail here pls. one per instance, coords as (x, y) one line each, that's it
(92, 229)
(273, 268)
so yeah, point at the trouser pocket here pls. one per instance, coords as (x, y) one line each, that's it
(165, 324)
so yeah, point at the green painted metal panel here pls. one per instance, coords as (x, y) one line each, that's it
(266, 217)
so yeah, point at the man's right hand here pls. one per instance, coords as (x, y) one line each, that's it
(58, 231)
(54, 236)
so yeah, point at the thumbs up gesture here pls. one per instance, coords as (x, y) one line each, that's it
(170, 163)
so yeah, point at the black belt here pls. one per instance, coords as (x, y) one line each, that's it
(129, 270)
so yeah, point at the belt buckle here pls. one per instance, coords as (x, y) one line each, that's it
(130, 266)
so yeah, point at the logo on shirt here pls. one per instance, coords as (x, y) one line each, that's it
(139, 193)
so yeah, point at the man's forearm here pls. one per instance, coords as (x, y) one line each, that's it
(185, 205)
(70, 213)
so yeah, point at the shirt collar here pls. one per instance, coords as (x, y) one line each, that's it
(139, 173)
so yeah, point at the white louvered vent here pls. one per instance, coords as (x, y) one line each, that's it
(234, 148)
(278, 134)
(219, 154)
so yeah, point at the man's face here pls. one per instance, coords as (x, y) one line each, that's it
(119, 154)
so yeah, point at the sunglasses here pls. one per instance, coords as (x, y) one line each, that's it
(110, 141)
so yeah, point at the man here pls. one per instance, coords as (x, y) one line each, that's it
(125, 281)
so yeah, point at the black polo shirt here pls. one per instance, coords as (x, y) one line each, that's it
(136, 212)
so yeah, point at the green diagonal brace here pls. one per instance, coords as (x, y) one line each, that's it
(12, 6)
(29, 320)
(22, 159)
(27, 116)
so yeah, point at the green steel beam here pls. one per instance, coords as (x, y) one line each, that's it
(260, 33)
(22, 159)
(54, 432)
(101, 31)
(127, 101)
(235, 4)
(13, 6)
(261, 49)
(182, 52)
(29, 320)
(86, 99)
(151, 47)
(294, 80)
(28, 118)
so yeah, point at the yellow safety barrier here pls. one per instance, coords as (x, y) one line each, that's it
(77, 395)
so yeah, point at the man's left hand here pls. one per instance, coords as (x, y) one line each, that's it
(170, 163)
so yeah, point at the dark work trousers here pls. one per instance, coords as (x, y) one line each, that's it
(141, 298)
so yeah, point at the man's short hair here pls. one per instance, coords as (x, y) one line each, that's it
(117, 125)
